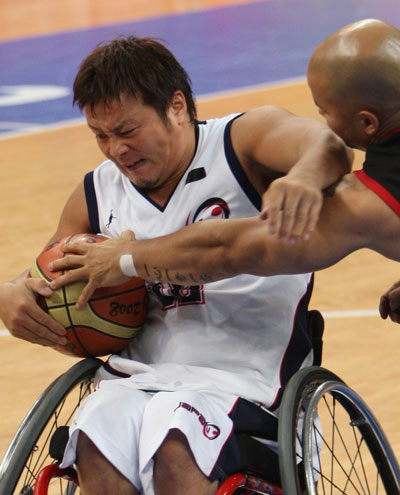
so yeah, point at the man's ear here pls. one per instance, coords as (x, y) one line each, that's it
(178, 106)
(367, 122)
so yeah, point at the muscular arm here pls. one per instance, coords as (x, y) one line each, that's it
(212, 250)
(283, 142)
(272, 140)
(74, 217)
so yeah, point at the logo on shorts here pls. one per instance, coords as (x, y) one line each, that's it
(210, 430)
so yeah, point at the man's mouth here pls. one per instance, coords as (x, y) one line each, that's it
(135, 164)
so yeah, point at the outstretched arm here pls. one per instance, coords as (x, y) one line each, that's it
(200, 253)
(217, 249)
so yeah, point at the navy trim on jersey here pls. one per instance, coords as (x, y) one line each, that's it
(91, 202)
(237, 168)
(106, 366)
(241, 452)
(253, 420)
(162, 208)
(299, 346)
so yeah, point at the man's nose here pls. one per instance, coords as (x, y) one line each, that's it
(117, 147)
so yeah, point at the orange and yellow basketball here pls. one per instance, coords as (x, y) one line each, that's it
(112, 316)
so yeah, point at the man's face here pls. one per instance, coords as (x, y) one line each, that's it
(338, 116)
(136, 139)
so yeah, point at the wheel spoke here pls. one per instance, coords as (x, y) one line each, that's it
(56, 407)
(342, 446)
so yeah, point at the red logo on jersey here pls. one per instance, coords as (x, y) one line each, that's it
(211, 208)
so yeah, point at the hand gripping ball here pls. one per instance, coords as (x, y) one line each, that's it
(112, 316)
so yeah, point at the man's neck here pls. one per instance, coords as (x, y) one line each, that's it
(185, 150)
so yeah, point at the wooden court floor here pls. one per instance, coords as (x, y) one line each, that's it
(39, 171)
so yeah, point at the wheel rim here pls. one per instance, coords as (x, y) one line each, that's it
(343, 445)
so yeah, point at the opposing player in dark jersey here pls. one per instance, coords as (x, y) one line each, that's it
(354, 77)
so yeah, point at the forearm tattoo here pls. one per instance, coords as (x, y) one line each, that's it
(176, 277)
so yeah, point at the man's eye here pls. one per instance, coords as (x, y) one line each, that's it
(126, 133)
(101, 136)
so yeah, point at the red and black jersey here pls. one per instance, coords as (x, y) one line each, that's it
(381, 170)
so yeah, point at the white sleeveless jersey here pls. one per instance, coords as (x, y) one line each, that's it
(245, 335)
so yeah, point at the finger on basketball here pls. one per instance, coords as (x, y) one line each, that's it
(40, 329)
(28, 336)
(68, 277)
(65, 263)
(76, 247)
(39, 286)
(48, 327)
(85, 295)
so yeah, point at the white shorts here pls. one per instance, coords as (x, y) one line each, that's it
(128, 426)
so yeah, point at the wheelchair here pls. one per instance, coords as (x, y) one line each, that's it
(329, 440)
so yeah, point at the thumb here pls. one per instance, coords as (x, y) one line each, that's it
(40, 287)
(128, 235)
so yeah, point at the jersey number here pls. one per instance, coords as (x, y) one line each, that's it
(172, 295)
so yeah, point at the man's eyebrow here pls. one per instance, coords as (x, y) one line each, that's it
(92, 127)
(117, 128)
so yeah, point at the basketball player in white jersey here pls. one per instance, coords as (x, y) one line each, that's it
(212, 359)
(354, 76)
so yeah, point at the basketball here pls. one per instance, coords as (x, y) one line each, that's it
(112, 316)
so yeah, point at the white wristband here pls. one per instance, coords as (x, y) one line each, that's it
(127, 265)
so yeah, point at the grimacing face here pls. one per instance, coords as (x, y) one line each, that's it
(136, 139)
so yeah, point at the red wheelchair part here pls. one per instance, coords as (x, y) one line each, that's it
(247, 482)
(50, 472)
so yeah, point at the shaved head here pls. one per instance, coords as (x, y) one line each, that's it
(360, 65)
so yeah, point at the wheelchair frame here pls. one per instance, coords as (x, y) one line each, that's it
(28, 450)
(367, 466)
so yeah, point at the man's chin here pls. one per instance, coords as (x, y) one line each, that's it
(356, 146)
(144, 184)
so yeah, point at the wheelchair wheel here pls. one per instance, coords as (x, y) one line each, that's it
(28, 451)
(329, 440)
